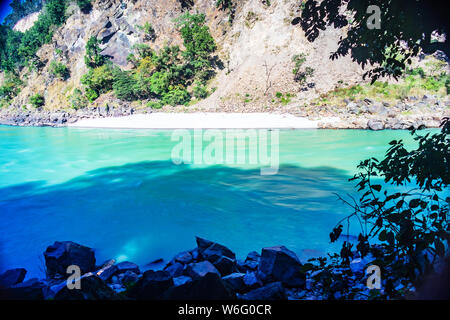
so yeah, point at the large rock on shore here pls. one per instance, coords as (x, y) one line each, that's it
(92, 288)
(12, 277)
(152, 286)
(280, 264)
(272, 291)
(61, 255)
(32, 289)
(220, 256)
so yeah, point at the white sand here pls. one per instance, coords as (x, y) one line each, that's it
(203, 121)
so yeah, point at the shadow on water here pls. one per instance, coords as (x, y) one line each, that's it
(148, 210)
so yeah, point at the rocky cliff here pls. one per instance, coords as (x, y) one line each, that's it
(256, 51)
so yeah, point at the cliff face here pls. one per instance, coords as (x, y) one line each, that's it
(256, 51)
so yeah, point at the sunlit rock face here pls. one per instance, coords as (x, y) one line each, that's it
(27, 22)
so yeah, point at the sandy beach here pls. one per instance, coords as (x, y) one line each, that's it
(203, 121)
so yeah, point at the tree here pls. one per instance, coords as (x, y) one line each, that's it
(93, 58)
(85, 5)
(406, 30)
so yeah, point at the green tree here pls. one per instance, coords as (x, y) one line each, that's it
(37, 100)
(93, 57)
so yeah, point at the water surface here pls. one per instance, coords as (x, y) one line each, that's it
(119, 192)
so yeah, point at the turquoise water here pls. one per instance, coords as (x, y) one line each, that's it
(118, 191)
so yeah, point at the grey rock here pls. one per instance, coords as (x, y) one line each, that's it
(175, 269)
(127, 266)
(375, 125)
(32, 289)
(200, 269)
(280, 264)
(152, 285)
(235, 282)
(61, 255)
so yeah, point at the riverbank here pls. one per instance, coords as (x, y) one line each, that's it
(426, 112)
(210, 271)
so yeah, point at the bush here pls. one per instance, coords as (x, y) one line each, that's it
(411, 228)
(154, 104)
(200, 91)
(93, 58)
(10, 87)
(125, 85)
(37, 100)
(149, 31)
(78, 100)
(85, 5)
(97, 81)
(176, 96)
(59, 70)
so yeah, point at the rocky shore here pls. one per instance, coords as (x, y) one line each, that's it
(210, 271)
(425, 112)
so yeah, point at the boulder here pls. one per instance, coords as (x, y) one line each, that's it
(107, 273)
(252, 260)
(208, 287)
(183, 258)
(92, 288)
(280, 264)
(179, 281)
(375, 125)
(129, 277)
(175, 269)
(220, 256)
(61, 255)
(200, 269)
(235, 282)
(32, 289)
(152, 285)
(251, 281)
(127, 266)
(272, 291)
(12, 277)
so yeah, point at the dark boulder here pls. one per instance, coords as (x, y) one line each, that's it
(220, 256)
(12, 277)
(251, 281)
(235, 282)
(208, 287)
(280, 264)
(127, 266)
(175, 269)
(211, 250)
(183, 258)
(61, 255)
(129, 278)
(107, 273)
(32, 289)
(200, 269)
(272, 291)
(152, 285)
(92, 288)
(252, 260)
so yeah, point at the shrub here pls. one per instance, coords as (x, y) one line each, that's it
(99, 80)
(200, 91)
(125, 85)
(154, 104)
(10, 87)
(37, 100)
(411, 226)
(176, 96)
(149, 31)
(93, 58)
(78, 100)
(59, 70)
(85, 5)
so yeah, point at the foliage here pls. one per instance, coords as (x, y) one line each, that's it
(11, 87)
(410, 228)
(37, 100)
(85, 5)
(406, 30)
(78, 100)
(19, 49)
(97, 81)
(150, 33)
(59, 69)
(200, 91)
(176, 96)
(93, 58)
(20, 9)
(125, 85)
(154, 105)
(301, 75)
(197, 40)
